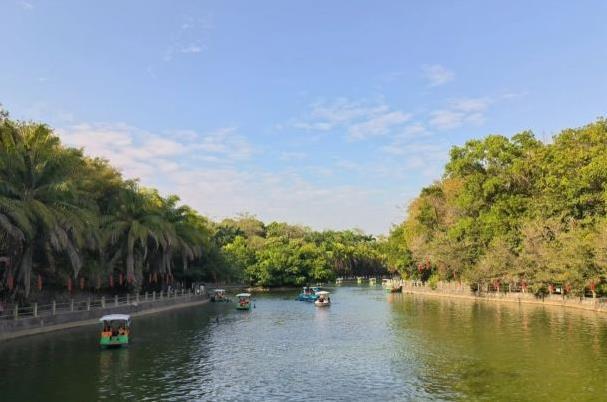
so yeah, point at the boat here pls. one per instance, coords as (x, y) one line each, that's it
(116, 330)
(359, 280)
(244, 301)
(324, 299)
(308, 294)
(386, 282)
(219, 295)
(371, 281)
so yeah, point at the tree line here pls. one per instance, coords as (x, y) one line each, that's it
(71, 222)
(513, 212)
(508, 212)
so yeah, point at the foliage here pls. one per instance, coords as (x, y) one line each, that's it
(515, 211)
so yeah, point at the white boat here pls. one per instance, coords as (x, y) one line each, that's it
(324, 299)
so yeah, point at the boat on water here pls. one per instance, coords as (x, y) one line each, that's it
(219, 295)
(244, 301)
(309, 294)
(324, 299)
(372, 281)
(359, 279)
(116, 330)
(386, 282)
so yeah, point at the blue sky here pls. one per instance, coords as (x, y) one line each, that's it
(332, 114)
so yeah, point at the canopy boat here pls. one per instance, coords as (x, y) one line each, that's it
(359, 280)
(371, 281)
(386, 282)
(324, 299)
(219, 295)
(116, 330)
(244, 301)
(308, 294)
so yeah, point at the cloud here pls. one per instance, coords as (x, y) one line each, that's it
(459, 112)
(191, 48)
(25, 5)
(437, 75)
(358, 119)
(139, 153)
(377, 125)
(210, 172)
(293, 156)
(192, 37)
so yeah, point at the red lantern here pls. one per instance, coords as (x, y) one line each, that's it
(150, 278)
(39, 282)
(81, 283)
(155, 277)
(10, 281)
(120, 279)
(130, 279)
(69, 284)
(111, 281)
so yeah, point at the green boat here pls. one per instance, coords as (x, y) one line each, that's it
(244, 301)
(116, 330)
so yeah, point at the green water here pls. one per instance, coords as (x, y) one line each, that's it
(367, 346)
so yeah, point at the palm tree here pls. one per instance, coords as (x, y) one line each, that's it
(41, 207)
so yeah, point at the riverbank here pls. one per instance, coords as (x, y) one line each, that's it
(463, 291)
(10, 329)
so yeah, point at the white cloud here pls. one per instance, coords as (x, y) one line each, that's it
(377, 125)
(293, 156)
(25, 5)
(207, 171)
(359, 120)
(437, 75)
(191, 48)
(459, 112)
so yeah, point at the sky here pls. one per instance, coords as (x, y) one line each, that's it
(330, 114)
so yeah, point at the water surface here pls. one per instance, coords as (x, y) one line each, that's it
(367, 346)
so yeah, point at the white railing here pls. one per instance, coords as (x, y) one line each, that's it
(16, 311)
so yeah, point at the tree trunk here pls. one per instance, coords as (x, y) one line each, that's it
(25, 270)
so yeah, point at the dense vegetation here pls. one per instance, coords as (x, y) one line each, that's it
(508, 212)
(513, 212)
(71, 222)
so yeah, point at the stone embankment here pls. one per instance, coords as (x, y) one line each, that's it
(37, 320)
(464, 291)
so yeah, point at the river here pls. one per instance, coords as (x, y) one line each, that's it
(368, 345)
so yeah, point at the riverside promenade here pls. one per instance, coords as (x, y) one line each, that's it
(464, 291)
(36, 319)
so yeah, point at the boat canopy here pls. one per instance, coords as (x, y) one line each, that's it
(218, 290)
(115, 317)
(243, 295)
(322, 293)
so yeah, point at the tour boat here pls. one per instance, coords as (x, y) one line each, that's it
(308, 294)
(116, 330)
(359, 280)
(385, 282)
(324, 299)
(371, 281)
(244, 301)
(219, 295)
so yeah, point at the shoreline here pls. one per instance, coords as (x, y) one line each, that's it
(554, 301)
(21, 333)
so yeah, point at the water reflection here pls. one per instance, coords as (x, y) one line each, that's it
(367, 345)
